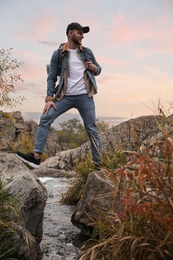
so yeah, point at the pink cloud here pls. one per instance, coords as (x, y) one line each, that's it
(107, 60)
(125, 32)
(38, 27)
(141, 53)
(34, 79)
(107, 79)
(165, 48)
(169, 3)
(32, 72)
(157, 29)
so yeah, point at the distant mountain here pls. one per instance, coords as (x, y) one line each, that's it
(35, 116)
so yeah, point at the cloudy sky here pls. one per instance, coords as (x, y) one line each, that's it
(132, 41)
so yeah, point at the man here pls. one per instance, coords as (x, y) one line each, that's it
(76, 88)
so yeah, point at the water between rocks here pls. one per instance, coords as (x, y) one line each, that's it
(59, 234)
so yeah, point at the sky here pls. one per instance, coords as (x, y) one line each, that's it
(132, 41)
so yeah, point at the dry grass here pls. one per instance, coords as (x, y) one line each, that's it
(143, 227)
(8, 210)
(74, 193)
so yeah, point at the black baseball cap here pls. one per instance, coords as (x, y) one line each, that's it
(77, 26)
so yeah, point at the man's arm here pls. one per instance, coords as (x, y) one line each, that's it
(52, 77)
(93, 64)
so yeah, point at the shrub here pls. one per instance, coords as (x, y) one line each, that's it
(8, 79)
(8, 210)
(74, 192)
(143, 227)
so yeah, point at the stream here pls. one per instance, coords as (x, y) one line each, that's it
(59, 234)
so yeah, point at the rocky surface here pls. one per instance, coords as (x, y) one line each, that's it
(125, 136)
(100, 197)
(59, 235)
(16, 134)
(31, 196)
(41, 217)
(100, 193)
(65, 160)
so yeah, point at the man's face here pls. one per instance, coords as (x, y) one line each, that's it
(77, 36)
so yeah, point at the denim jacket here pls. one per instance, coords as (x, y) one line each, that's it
(57, 92)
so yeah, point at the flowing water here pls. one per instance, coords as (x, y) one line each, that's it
(59, 234)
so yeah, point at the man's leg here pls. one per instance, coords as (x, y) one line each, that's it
(86, 108)
(46, 120)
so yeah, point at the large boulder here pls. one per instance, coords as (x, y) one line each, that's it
(100, 196)
(66, 160)
(31, 196)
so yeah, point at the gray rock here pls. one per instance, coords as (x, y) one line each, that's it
(100, 195)
(17, 115)
(31, 196)
(15, 133)
(66, 160)
(45, 171)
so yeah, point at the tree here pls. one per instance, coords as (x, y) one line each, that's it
(72, 133)
(8, 77)
(102, 126)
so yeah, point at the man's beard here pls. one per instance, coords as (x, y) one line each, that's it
(75, 41)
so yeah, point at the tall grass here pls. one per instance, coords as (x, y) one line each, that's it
(74, 192)
(8, 210)
(143, 227)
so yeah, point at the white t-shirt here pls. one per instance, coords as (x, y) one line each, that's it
(75, 80)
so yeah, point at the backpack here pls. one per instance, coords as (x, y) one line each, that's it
(60, 58)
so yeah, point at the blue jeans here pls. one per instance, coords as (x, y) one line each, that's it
(86, 108)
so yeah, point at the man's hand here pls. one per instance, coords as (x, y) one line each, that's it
(48, 105)
(92, 67)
